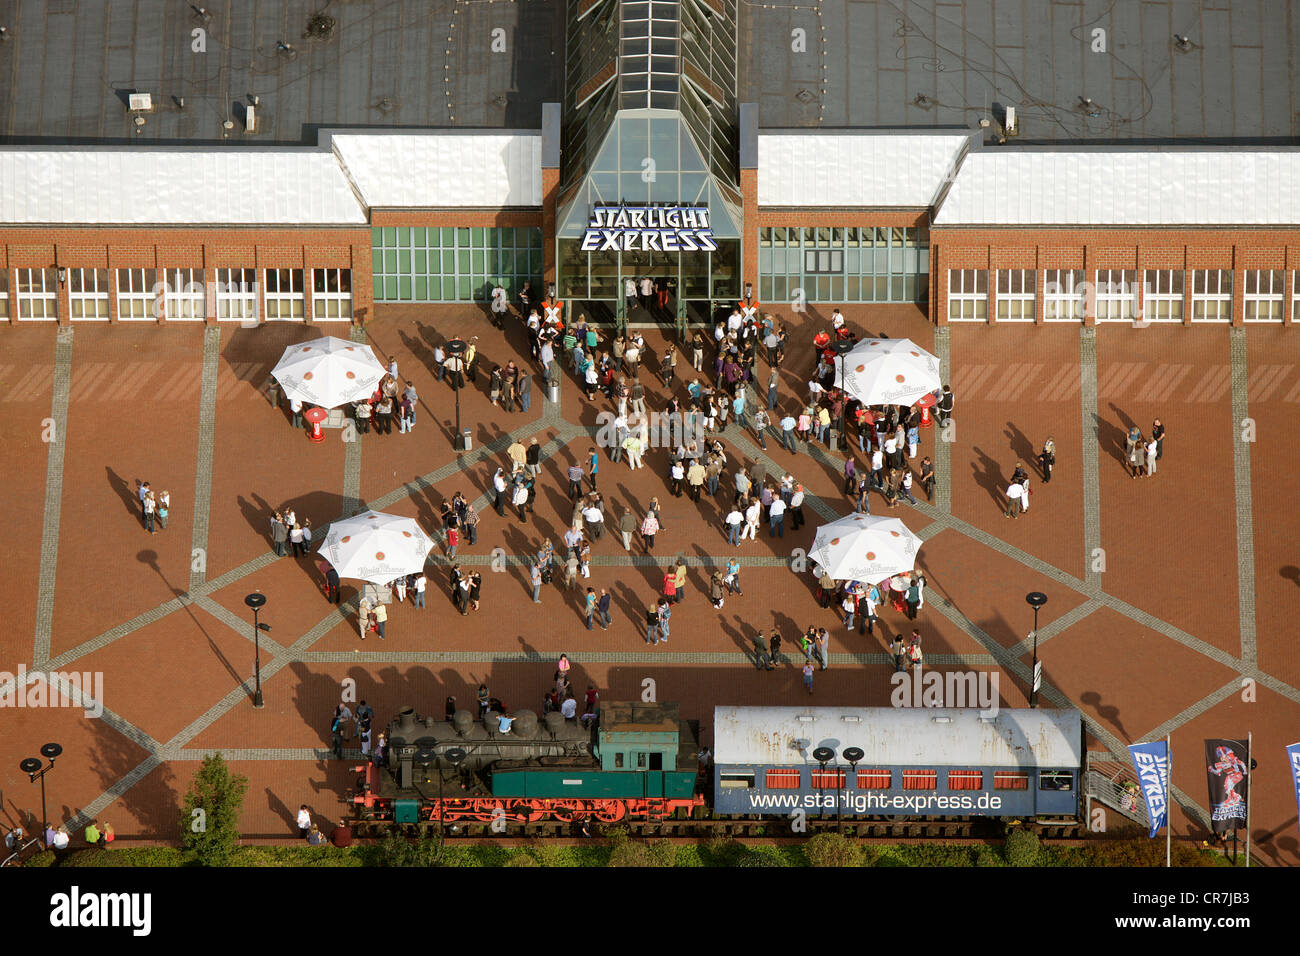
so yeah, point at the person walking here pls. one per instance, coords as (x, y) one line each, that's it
(632, 445)
(905, 486)
(899, 651)
(695, 477)
(732, 576)
(627, 527)
(788, 424)
(717, 590)
(850, 606)
(808, 676)
(533, 457)
(753, 514)
(602, 610)
(593, 467)
(519, 498)
(762, 661)
(1047, 458)
(650, 528)
(679, 581)
(944, 407)
(665, 613)
(670, 584)
(912, 597)
(589, 606)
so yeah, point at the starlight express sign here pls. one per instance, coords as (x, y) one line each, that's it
(649, 228)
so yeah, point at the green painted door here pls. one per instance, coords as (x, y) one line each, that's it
(654, 783)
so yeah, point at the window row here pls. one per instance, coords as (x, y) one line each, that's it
(181, 294)
(427, 264)
(879, 779)
(843, 264)
(1113, 295)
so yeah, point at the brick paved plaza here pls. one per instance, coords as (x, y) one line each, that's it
(1198, 581)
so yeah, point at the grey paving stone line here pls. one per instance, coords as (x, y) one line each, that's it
(1017, 554)
(53, 496)
(463, 462)
(943, 449)
(270, 753)
(1212, 699)
(101, 803)
(243, 626)
(1061, 624)
(1245, 514)
(1090, 459)
(1169, 631)
(264, 560)
(614, 657)
(1273, 684)
(351, 479)
(151, 616)
(242, 693)
(206, 440)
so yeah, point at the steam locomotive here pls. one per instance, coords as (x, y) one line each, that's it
(642, 763)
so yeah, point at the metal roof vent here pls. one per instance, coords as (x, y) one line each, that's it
(140, 102)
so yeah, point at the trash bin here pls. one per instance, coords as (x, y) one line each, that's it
(466, 440)
(833, 440)
(553, 392)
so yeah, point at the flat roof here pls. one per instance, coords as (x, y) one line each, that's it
(1237, 80)
(69, 64)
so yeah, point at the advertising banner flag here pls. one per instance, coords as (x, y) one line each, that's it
(1227, 771)
(1151, 761)
(1293, 761)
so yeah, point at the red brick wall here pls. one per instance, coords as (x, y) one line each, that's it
(190, 248)
(1141, 249)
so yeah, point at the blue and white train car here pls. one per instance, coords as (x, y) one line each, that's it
(915, 762)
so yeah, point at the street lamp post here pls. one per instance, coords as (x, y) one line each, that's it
(457, 348)
(255, 601)
(36, 770)
(853, 755)
(842, 347)
(824, 755)
(1035, 599)
(455, 756)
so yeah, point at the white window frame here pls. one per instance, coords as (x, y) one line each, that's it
(1161, 301)
(137, 296)
(1213, 303)
(1017, 291)
(4, 294)
(238, 296)
(1267, 300)
(964, 295)
(1064, 295)
(184, 295)
(280, 305)
(41, 302)
(1115, 295)
(331, 305)
(88, 300)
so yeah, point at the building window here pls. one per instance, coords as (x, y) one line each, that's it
(1055, 780)
(237, 295)
(88, 294)
(874, 779)
(4, 293)
(331, 298)
(1064, 297)
(736, 781)
(965, 780)
(1016, 291)
(920, 779)
(782, 779)
(137, 295)
(843, 264)
(1211, 295)
(1263, 295)
(828, 779)
(1116, 295)
(431, 264)
(968, 295)
(183, 294)
(1010, 780)
(38, 295)
(1162, 295)
(284, 298)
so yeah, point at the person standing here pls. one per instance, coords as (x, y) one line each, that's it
(695, 479)
(1015, 492)
(589, 606)
(822, 647)
(665, 611)
(733, 521)
(808, 676)
(650, 528)
(602, 610)
(850, 606)
(652, 624)
(150, 512)
(776, 518)
(927, 477)
(629, 294)
(1158, 433)
(593, 467)
(1047, 458)
(679, 581)
(914, 652)
(787, 433)
(418, 589)
(519, 498)
(774, 649)
(295, 541)
(670, 584)
(732, 576)
(332, 585)
(946, 400)
(627, 527)
(576, 474)
(535, 578)
(773, 382)
(796, 508)
(1137, 456)
(1152, 455)
(899, 651)
(753, 514)
(913, 597)
(762, 661)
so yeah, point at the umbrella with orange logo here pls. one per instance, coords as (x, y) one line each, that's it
(864, 548)
(328, 372)
(377, 547)
(888, 372)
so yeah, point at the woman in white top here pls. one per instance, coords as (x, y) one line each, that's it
(421, 582)
(295, 539)
(164, 507)
(399, 590)
(150, 510)
(1153, 450)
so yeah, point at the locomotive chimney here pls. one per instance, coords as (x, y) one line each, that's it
(461, 722)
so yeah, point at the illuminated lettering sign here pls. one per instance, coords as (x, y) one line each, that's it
(649, 229)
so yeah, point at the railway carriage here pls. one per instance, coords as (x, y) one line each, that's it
(898, 763)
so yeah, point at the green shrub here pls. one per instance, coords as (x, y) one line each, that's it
(521, 858)
(1022, 848)
(1139, 851)
(985, 856)
(210, 816)
(832, 850)
(633, 853)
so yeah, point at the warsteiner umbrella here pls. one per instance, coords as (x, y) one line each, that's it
(887, 372)
(376, 547)
(328, 372)
(864, 548)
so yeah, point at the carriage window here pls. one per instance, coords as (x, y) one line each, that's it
(828, 779)
(873, 779)
(642, 760)
(965, 780)
(737, 781)
(920, 779)
(1055, 780)
(618, 761)
(782, 779)
(1010, 780)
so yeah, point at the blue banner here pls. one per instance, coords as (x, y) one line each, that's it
(1152, 764)
(1293, 759)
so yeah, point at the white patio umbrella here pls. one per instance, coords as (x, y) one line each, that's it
(376, 547)
(864, 548)
(328, 372)
(887, 372)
